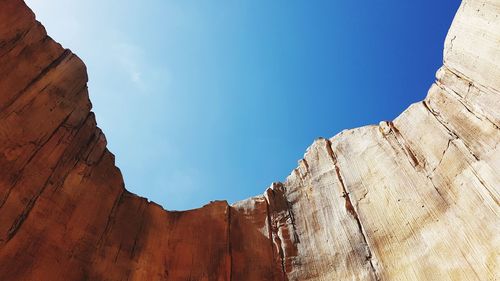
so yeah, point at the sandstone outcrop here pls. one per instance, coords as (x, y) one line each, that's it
(416, 198)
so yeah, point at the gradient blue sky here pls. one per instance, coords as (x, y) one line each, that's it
(204, 100)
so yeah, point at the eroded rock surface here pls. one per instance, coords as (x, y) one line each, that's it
(412, 199)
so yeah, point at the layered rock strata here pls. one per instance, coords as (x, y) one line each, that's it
(412, 199)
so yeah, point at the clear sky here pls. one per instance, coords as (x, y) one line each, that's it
(204, 100)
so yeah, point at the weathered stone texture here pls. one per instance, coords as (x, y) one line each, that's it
(412, 199)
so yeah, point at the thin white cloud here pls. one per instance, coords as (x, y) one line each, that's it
(142, 73)
(129, 58)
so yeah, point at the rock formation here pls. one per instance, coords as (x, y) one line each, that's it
(412, 199)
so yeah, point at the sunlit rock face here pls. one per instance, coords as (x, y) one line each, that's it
(412, 199)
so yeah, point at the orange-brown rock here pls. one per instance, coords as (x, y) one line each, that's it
(412, 199)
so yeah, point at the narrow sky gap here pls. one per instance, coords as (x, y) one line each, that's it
(206, 100)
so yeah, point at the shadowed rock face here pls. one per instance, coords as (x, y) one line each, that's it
(412, 199)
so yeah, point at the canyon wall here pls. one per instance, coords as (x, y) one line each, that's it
(416, 198)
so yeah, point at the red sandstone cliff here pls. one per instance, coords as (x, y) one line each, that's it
(412, 199)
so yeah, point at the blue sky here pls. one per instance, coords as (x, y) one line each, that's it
(205, 100)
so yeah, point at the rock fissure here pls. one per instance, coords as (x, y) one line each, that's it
(46, 70)
(350, 207)
(29, 206)
(139, 232)
(110, 219)
(22, 169)
(452, 134)
(465, 105)
(229, 243)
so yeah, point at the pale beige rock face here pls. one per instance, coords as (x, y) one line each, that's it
(412, 199)
(416, 198)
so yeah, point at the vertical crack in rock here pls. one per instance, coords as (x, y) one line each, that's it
(22, 217)
(292, 221)
(76, 157)
(118, 253)
(38, 148)
(451, 44)
(281, 218)
(229, 243)
(110, 219)
(94, 145)
(275, 227)
(290, 216)
(281, 252)
(92, 160)
(431, 180)
(137, 236)
(350, 207)
(39, 145)
(51, 178)
(442, 155)
(388, 128)
(271, 234)
(402, 143)
(304, 162)
(430, 175)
